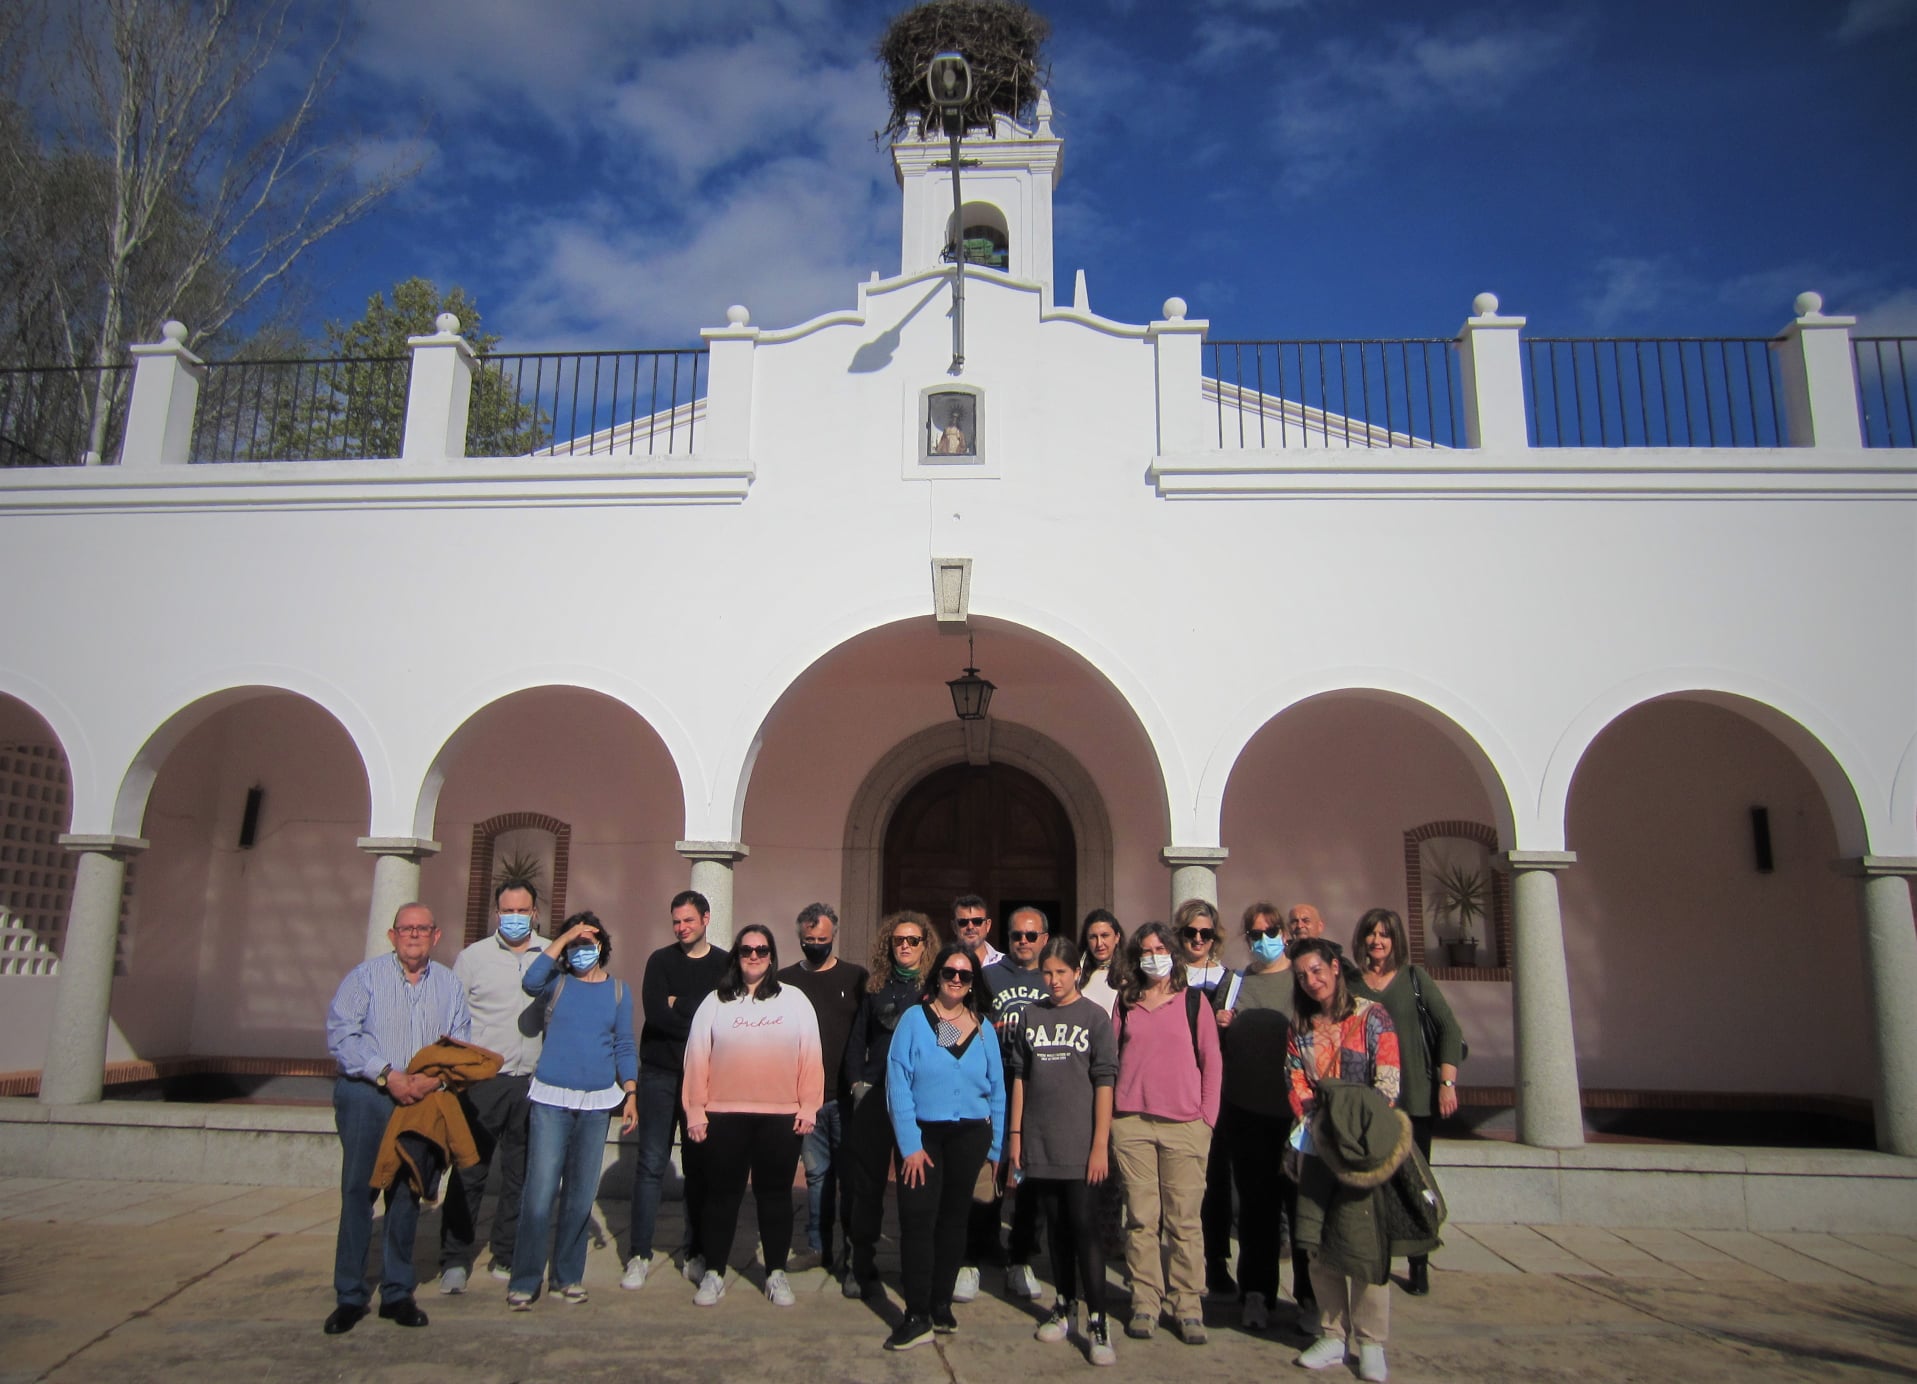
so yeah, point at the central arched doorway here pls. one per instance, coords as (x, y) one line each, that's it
(989, 829)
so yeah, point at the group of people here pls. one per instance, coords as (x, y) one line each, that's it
(1092, 1083)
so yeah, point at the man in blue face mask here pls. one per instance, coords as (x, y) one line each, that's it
(497, 1109)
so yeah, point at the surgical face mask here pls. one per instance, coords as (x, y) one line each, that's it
(582, 958)
(1267, 948)
(515, 927)
(1157, 965)
(816, 952)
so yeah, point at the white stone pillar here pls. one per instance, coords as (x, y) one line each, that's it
(1489, 349)
(395, 882)
(1820, 378)
(1549, 1114)
(75, 1066)
(1180, 358)
(1890, 978)
(166, 394)
(712, 863)
(726, 430)
(441, 393)
(1194, 873)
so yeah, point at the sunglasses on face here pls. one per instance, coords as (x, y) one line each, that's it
(908, 941)
(957, 975)
(1196, 934)
(755, 952)
(1265, 932)
(1026, 936)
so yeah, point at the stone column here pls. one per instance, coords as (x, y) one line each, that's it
(75, 1066)
(1890, 978)
(166, 395)
(440, 395)
(712, 863)
(1493, 377)
(731, 351)
(395, 882)
(1179, 359)
(1820, 378)
(1549, 1115)
(1194, 873)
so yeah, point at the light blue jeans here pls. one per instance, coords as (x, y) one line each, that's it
(564, 1149)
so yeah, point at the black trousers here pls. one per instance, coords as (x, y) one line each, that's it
(1078, 1254)
(1421, 1126)
(867, 1154)
(1214, 1212)
(1264, 1196)
(497, 1111)
(766, 1148)
(934, 1214)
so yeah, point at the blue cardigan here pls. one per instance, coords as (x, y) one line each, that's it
(926, 1082)
(589, 1044)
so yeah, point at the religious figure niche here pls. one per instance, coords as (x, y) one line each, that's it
(951, 424)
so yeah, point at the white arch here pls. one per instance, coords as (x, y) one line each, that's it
(195, 702)
(91, 813)
(635, 697)
(1497, 765)
(747, 737)
(1840, 770)
(1899, 836)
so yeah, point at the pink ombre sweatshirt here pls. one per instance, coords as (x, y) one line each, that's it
(754, 1057)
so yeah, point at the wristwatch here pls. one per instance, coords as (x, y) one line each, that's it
(1447, 1083)
(384, 1072)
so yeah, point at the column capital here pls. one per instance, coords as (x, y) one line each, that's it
(119, 847)
(725, 851)
(1876, 866)
(411, 847)
(1179, 857)
(1535, 860)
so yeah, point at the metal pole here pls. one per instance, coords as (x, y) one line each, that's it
(953, 121)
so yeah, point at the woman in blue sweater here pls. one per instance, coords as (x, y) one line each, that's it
(587, 1065)
(945, 1091)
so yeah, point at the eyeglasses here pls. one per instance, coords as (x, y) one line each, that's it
(1196, 934)
(1026, 936)
(756, 952)
(908, 941)
(417, 930)
(958, 975)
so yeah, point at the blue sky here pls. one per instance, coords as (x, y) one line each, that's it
(614, 173)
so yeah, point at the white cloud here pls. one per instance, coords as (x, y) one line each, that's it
(1893, 314)
(1629, 289)
(1864, 19)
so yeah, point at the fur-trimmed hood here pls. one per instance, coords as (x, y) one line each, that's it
(1357, 1133)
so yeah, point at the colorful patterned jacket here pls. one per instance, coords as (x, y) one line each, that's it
(1362, 1049)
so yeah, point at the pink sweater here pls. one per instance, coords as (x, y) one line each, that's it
(1158, 1073)
(754, 1057)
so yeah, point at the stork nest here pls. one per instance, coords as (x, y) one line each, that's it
(1002, 41)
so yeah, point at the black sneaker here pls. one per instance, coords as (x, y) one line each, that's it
(943, 1322)
(912, 1331)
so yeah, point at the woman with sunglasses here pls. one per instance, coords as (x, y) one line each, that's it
(945, 1090)
(896, 984)
(1201, 948)
(753, 1082)
(588, 1066)
(1165, 1105)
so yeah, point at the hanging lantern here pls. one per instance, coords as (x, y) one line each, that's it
(971, 694)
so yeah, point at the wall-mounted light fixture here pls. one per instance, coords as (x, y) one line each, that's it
(971, 694)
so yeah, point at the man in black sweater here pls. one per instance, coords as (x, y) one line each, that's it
(678, 978)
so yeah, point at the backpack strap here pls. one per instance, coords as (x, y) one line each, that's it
(551, 1000)
(1194, 1004)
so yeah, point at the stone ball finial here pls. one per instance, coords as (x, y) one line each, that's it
(174, 332)
(1175, 309)
(739, 315)
(446, 324)
(1485, 305)
(1810, 305)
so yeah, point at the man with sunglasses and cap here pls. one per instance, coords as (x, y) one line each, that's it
(1010, 986)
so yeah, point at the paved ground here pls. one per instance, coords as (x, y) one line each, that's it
(135, 1281)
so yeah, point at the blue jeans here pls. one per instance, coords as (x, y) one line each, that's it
(822, 1173)
(360, 1113)
(659, 1113)
(564, 1150)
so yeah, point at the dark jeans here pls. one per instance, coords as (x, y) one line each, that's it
(360, 1113)
(1214, 1213)
(767, 1148)
(1257, 1141)
(867, 1153)
(1078, 1255)
(934, 1214)
(824, 1171)
(497, 1111)
(1421, 1126)
(659, 1114)
(982, 1243)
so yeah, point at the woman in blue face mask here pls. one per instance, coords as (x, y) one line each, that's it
(588, 1065)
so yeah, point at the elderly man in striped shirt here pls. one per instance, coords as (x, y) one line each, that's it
(385, 1011)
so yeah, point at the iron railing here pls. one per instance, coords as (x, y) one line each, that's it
(587, 403)
(1885, 385)
(348, 409)
(1356, 393)
(1653, 392)
(56, 415)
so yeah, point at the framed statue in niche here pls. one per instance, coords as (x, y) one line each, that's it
(951, 424)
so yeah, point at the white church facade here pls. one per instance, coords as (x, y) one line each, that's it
(1253, 637)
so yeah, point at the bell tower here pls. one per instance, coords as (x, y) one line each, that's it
(1006, 176)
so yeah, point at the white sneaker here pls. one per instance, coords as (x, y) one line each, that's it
(1058, 1325)
(965, 1288)
(637, 1268)
(777, 1290)
(1371, 1364)
(711, 1288)
(1256, 1316)
(452, 1279)
(1322, 1354)
(501, 1271)
(696, 1269)
(1021, 1281)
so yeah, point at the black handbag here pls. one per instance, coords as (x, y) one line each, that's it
(1428, 1028)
